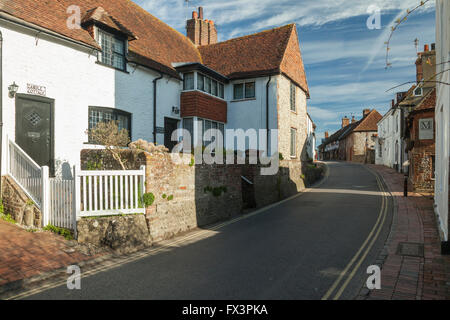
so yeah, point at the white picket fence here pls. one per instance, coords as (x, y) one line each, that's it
(88, 194)
(109, 192)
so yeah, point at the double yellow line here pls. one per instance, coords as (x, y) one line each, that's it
(363, 251)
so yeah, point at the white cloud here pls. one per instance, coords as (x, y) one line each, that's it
(269, 13)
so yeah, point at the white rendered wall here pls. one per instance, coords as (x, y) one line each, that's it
(442, 116)
(75, 81)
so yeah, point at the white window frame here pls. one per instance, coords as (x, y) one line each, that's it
(244, 91)
(99, 34)
(293, 134)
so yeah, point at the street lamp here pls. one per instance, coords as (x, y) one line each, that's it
(13, 90)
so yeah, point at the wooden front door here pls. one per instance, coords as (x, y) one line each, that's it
(34, 128)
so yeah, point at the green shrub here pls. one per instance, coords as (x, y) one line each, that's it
(170, 198)
(280, 155)
(7, 218)
(67, 234)
(149, 199)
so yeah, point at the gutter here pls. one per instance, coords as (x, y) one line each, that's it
(11, 19)
(267, 113)
(155, 81)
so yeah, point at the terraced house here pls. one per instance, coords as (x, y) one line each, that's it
(60, 78)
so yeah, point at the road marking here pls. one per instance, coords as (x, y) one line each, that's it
(167, 245)
(358, 265)
(372, 232)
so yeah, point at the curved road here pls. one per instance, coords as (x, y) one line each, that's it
(316, 245)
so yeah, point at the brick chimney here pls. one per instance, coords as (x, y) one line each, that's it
(353, 119)
(366, 112)
(201, 32)
(345, 122)
(426, 65)
(326, 135)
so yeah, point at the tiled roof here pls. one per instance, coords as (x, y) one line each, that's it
(156, 42)
(428, 102)
(158, 46)
(369, 122)
(264, 53)
(100, 16)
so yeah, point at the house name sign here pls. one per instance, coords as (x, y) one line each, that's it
(36, 90)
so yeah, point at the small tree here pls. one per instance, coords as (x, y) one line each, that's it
(108, 135)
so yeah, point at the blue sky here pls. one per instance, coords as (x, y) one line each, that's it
(344, 60)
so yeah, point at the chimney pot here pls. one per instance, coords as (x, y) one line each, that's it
(345, 122)
(211, 22)
(366, 112)
(426, 48)
(433, 46)
(326, 135)
(194, 15)
(200, 13)
(353, 119)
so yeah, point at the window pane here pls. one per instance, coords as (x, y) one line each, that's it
(189, 81)
(200, 82)
(239, 91)
(293, 143)
(119, 46)
(207, 85)
(188, 124)
(214, 88)
(97, 115)
(221, 91)
(222, 130)
(207, 136)
(293, 102)
(249, 90)
(118, 61)
(113, 50)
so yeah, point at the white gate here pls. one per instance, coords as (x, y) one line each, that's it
(61, 206)
(88, 194)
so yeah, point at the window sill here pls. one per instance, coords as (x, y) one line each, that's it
(111, 67)
(243, 100)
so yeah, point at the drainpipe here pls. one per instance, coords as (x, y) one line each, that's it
(1, 109)
(267, 113)
(154, 105)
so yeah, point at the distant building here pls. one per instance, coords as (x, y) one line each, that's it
(355, 141)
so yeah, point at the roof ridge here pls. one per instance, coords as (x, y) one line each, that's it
(250, 35)
(185, 38)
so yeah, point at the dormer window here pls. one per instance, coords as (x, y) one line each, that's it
(113, 50)
(111, 35)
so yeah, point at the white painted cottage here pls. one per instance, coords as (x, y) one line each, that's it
(443, 119)
(65, 68)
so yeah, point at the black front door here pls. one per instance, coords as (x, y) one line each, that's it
(34, 128)
(170, 125)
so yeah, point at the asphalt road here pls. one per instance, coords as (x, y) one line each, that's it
(296, 250)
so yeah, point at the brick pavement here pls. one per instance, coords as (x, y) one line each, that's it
(404, 277)
(25, 254)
